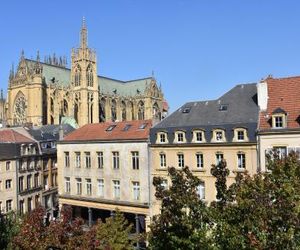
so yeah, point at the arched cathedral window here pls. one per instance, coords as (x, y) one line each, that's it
(89, 76)
(102, 110)
(113, 110)
(65, 108)
(123, 107)
(155, 111)
(141, 111)
(131, 107)
(20, 108)
(77, 76)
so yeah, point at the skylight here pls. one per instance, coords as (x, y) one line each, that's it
(127, 127)
(223, 107)
(111, 127)
(186, 110)
(143, 126)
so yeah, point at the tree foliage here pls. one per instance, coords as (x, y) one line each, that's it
(114, 233)
(9, 227)
(184, 222)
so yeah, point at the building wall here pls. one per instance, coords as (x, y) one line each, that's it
(209, 157)
(11, 193)
(126, 175)
(268, 141)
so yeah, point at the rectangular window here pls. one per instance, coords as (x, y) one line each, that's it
(164, 184)
(163, 160)
(201, 191)
(136, 190)
(100, 159)
(29, 204)
(8, 184)
(7, 165)
(21, 184)
(36, 180)
(46, 182)
(240, 135)
(180, 160)
(100, 187)
(116, 191)
(280, 151)
(87, 159)
(135, 160)
(199, 160)
(219, 158)
(241, 160)
(29, 181)
(77, 160)
(180, 137)
(116, 160)
(79, 186)
(67, 185)
(8, 205)
(21, 206)
(88, 186)
(219, 135)
(67, 159)
(162, 138)
(278, 121)
(198, 136)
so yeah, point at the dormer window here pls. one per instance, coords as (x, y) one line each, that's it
(240, 134)
(162, 137)
(279, 118)
(180, 137)
(198, 136)
(218, 135)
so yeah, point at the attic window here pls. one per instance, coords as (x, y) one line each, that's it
(223, 107)
(143, 126)
(186, 110)
(111, 127)
(127, 127)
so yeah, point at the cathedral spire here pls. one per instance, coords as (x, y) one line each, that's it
(83, 35)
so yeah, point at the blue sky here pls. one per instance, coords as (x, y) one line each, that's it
(198, 50)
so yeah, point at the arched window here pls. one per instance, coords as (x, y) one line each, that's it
(131, 108)
(76, 109)
(89, 76)
(141, 111)
(20, 109)
(77, 76)
(102, 110)
(65, 108)
(155, 111)
(51, 119)
(123, 107)
(113, 110)
(51, 105)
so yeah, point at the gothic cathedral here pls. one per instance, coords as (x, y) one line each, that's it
(50, 93)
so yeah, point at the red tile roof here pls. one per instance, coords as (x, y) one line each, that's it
(98, 131)
(283, 93)
(11, 136)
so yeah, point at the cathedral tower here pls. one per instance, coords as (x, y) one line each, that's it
(84, 81)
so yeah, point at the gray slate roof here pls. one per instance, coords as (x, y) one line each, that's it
(9, 151)
(240, 109)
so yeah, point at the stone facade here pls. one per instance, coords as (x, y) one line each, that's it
(49, 93)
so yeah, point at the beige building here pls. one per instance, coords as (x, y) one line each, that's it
(105, 166)
(50, 93)
(279, 118)
(200, 134)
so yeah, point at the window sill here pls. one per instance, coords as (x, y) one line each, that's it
(242, 170)
(199, 170)
(162, 169)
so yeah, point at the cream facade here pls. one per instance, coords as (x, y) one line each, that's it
(97, 177)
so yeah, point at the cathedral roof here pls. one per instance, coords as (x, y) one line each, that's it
(108, 86)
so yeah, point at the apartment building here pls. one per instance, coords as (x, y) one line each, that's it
(105, 166)
(203, 133)
(20, 172)
(279, 117)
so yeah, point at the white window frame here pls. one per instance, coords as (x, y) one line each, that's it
(100, 187)
(163, 160)
(67, 159)
(77, 159)
(135, 160)
(100, 160)
(88, 186)
(241, 160)
(78, 186)
(116, 189)
(136, 190)
(199, 160)
(201, 191)
(116, 159)
(180, 158)
(67, 185)
(88, 163)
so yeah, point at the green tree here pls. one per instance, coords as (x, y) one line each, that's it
(184, 221)
(9, 227)
(264, 212)
(114, 233)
